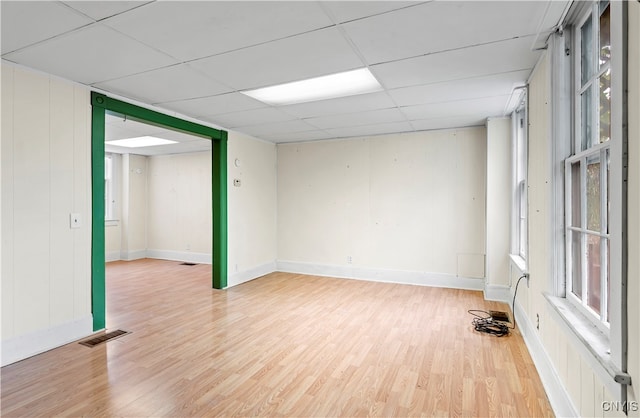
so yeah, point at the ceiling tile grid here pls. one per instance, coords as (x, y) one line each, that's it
(90, 55)
(421, 30)
(190, 30)
(179, 82)
(441, 63)
(295, 58)
(25, 23)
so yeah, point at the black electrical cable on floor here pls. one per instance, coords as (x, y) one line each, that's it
(487, 325)
(513, 303)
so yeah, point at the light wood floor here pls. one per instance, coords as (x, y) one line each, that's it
(282, 345)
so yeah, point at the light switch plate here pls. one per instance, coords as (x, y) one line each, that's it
(74, 220)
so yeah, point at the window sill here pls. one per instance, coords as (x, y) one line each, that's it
(519, 262)
(591, 342)
(112, 222)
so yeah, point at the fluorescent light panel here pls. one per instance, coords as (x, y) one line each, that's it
(141, 141)
(348, 83)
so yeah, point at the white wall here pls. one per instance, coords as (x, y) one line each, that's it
(179, 207)
(113, 229)
(46, 270)
(498, 200)
(134, 207)
(405, 207)
(252, 208)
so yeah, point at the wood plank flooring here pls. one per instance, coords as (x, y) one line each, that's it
(281, 345)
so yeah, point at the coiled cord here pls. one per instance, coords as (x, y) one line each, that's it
(485, 323)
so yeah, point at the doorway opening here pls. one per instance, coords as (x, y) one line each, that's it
(103, 105)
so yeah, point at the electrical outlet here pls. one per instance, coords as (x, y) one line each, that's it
(349, 260)
(538, 322)
(526, 275)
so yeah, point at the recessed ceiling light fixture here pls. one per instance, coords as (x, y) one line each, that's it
(348, 83)
(141, 141)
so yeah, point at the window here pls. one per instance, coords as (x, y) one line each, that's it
(519, 210)
(109, 188)
(588, 114)
(587, 170)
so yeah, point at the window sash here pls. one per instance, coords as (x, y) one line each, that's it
(581, 227)
(591, 83)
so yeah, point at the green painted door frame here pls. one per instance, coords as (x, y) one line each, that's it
(100, 104)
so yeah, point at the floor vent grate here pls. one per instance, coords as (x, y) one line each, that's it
(104, 338)
(187, 264)
(499, 316)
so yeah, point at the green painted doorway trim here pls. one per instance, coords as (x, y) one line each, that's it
(100, 104)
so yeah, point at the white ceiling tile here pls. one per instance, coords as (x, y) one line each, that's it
(356, 119)
(90, 55)
(251, 117)
(179, 82)
(449, 122)
(276, 128)
(299, 57)
(27, 22)
(99, 10)
(194, 29)
(477, 61)
(366, 130)
(421, 29)
(344, 11)
(489, 106)
(213, 105)
(351, 104)
(470, 88)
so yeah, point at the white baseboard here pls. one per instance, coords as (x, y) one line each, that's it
(24, 346)
(187, 256)
(253, 273)
(112, 256)
(382, 275)
(556, 392)
(498, 293)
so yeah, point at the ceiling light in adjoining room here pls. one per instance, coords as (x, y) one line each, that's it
(141, 141)
(348, 83)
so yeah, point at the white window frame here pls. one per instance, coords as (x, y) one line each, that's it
(519, 184)
(604, 351)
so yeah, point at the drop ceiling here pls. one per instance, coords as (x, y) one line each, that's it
(442, 64)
